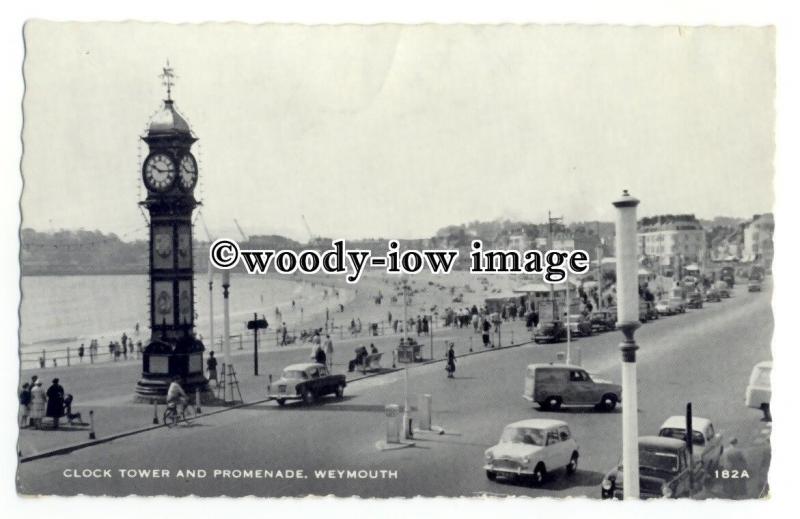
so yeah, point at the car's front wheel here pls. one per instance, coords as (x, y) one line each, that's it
(281, 402)
(308, 397)
(340, 391)
(572, 466)
(537, 478)
(552, 403)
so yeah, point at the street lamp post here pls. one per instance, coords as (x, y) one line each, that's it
(211, 304)
(628, 322)
(406, 428)
(226, 330)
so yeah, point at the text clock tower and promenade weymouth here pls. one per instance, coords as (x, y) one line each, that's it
(170, 174)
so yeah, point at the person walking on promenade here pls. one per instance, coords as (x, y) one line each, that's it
(329, 351)
(211, 365)
(320, 356)
(283, 334)
(24, 405)
(38, 403)
(124, 339)
(451, 361)
(733, 459)
(486, 327)
(139, 349)
(125, 350)
(55, 402)
(80, 353)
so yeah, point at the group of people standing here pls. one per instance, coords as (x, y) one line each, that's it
(35, 404)
(322, 352)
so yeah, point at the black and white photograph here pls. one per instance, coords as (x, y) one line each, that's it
(397, 260)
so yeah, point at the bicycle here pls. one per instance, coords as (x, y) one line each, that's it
(172, 417)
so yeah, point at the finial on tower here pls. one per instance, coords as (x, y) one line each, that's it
(168, 79)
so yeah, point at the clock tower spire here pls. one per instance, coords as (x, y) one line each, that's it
(169, 174)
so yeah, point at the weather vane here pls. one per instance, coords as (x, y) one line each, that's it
(168, 79)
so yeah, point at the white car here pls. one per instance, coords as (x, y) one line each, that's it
(707, 444)
(759, 390)
(529, 448)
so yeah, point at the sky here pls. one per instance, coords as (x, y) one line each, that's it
(396, 131)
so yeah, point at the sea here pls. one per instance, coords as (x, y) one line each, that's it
(64, 311)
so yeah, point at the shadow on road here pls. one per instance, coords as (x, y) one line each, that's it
(578, 410)
(559, 480)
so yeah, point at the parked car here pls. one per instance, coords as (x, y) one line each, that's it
(671, 306)
(642, 311)
(550, 331)
(665, 470)
(530, 448)
(759, 390)
(695, 299)
(652, 312)
(754, 285)
(554, 385)
(580, 325)
(722, 289)
(712, 296)
(604, 320)
(306, 382)
(707, 444)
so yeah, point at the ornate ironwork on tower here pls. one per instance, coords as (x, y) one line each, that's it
(170, 174)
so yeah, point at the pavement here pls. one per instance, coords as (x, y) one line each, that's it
(704, 356)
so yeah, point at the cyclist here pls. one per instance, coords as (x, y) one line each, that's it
(176, 395)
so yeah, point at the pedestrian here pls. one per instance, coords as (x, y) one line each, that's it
(486, 327)
(125, 349)
(320, 356)
(329, 351)
(138, 349)
(80, 353)
(211, 365)
(733, 459)
(283, 334)
(55, 402)
(38, 402)
(24, 405)
(451, 361)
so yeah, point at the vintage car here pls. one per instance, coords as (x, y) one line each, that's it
(713, 296)
(695, 299)
(759, 390)
(665, 470)
(528, 449)
(722, 289)
(707, 444)
(754, 285)
(652, 312)
(549, 331)
(554, 385)
(580, 325)
(671, 306)
(306, 382)
(604, 320)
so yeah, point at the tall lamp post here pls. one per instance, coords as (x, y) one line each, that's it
(628, 322)
(211, 305)
(226, 331)
(406, 427)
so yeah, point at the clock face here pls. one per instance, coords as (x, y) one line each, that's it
(188, 172)
(159, 172)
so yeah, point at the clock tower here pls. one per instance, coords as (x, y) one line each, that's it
(169, 174)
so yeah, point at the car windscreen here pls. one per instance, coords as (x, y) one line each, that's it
(524, 435)
(763, 377)
(294, 374)
(660, 461)
(679, 434)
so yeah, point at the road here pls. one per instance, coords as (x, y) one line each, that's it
(704, 356)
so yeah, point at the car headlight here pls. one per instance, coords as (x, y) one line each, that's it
(666, 491)
(526, 460)
(489, 456)
(607, 484)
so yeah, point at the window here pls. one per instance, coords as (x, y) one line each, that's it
(578, 376)
(552, 437)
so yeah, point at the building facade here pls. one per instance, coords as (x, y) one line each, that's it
(757, 237)
(672, 240)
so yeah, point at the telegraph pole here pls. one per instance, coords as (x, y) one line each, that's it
(406, 427)
(226, 331)
(627, 323)
(550, 221)
(211, 304)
